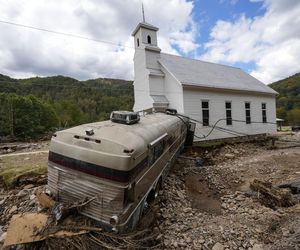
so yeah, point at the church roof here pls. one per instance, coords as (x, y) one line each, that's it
(191, 72)
(160, 99)
(144, 25)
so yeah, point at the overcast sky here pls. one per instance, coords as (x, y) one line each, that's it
(260, 36)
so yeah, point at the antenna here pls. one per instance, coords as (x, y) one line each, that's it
(143, 12)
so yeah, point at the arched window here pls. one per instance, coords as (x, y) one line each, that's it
(149, 39)
(138, 42)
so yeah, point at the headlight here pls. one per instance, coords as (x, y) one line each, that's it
(114, 220)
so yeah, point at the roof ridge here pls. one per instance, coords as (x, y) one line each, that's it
(188, 58)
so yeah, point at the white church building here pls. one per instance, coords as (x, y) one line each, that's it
(211, 93)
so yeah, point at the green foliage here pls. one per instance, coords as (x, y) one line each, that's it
(58, 101)
(25, 116)
(69, 114)
(281, 113)
(288, 100)
(293, 116)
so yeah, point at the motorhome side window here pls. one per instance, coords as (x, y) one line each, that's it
(156, 151)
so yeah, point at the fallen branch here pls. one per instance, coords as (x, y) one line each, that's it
(272, 196)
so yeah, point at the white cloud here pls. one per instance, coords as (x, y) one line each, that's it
(25, 52)
(271, 41)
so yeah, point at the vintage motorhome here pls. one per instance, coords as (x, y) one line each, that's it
(120, 164)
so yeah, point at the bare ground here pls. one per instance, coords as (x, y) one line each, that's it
(202, 206)
(213, 206)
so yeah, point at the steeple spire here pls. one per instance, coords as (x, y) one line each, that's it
(143, 12)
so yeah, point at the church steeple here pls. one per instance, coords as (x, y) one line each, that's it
(145, 35)
(148, 77)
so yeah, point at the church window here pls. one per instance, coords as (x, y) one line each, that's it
(248, 112)
(264, 112)
(205, 113)
(149, 39)
(138, 42)
(228, 113)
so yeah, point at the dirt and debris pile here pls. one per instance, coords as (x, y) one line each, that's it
(7, 148)
(272, 196)
(16, 201)
(45, 230)
(207, 203)
(211, 206)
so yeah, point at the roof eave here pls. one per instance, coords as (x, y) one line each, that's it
(227, 89)
(144, 25)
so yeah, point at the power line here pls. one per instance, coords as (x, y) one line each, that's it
(64, 34)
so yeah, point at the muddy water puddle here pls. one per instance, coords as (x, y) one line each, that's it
(201, 196)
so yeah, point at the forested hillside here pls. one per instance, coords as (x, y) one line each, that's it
(34, 106)
(31, 107)
(288, 101)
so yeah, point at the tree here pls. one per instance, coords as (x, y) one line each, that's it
(281, 113)
(25, 116)
(69, 114)
(293, 116)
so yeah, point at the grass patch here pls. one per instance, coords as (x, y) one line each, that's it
(12, 168)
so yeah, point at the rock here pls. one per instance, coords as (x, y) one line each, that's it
(159, 237)
(285, 232)
(194, 224)
(187, 209)
(257, 247)
(22, 193)
(2, 201)
(3, 237)
(229, 156)
(218, 246)
(31, 203)
(166, 242)
(31, 197)
(13, 209)
(240, 197)
(182, 244)
(29, 186)
(180, 194)
(297, 207)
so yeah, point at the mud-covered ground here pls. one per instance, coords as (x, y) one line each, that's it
(212, 207)
(205, 204)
